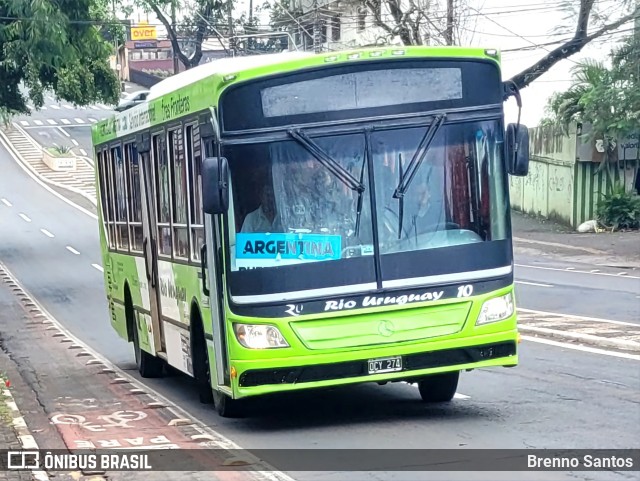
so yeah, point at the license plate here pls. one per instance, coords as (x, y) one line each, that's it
(385, 364)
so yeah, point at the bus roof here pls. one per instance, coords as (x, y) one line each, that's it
(195, 89)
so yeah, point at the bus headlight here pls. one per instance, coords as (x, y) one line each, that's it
(259, 336)
(496, 309)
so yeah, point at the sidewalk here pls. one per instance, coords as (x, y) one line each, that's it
(535, 236)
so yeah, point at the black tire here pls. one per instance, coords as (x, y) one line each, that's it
(439, 388)
(227, 407)
(149, 366)
(201, 370)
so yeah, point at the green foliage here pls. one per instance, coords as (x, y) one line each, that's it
(53, 45)
(157, 72)
(606, 97)
(619, 209)
(60, 150)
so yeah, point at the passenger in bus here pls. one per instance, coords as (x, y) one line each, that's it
(264, 218)
(423, 214)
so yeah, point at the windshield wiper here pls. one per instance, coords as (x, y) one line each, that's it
(342, 174)
(414, 165)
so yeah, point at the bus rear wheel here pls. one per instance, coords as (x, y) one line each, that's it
(439, 388)
(227, 407)
(149, 366)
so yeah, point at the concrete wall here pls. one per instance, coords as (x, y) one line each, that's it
(566, 181)
(548, 189)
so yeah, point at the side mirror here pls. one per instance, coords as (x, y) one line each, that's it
(517, 146)
(215, 185)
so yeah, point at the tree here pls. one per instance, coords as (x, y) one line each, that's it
(605, 97)
(48, 44)
(204, 18)
(587, 14)
(428, 22)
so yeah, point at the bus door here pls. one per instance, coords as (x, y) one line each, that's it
(214, 269)
(150, 245)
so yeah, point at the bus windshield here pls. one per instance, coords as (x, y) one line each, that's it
(297, 229)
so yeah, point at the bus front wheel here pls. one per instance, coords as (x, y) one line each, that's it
(439, 388)
(227, 407)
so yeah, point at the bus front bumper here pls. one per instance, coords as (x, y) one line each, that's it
(418, 360)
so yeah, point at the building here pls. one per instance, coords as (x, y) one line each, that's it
(340, 25)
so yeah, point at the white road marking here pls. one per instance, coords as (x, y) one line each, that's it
(55, 107)
(582, 318)
(24, 217)
(576, 347)
(533, 284)
(43, 108)
(97, 266)
(79, 120)
(24, 122)
(461, 396)
(72, 250)
(43, 185)
(37, 122)
(91, 119)
(622, 273)
(65, 121)
(68, 107)
(47, 233)
(83, 152)
(574, 271)
(6, 202)
(52, 122)
(64, 132)
(75, 142)
(570, 268)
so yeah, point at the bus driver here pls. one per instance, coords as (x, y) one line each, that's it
(264, 218)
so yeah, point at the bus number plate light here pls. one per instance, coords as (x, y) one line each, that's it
(385, 364)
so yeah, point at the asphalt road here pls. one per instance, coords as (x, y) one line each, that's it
(556, 398)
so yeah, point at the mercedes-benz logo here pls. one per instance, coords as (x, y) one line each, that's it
(385, 328)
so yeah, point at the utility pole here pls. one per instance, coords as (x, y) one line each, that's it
(232, 42)
(173, 26)
(115, 44)
(450, 16)
(317, 47)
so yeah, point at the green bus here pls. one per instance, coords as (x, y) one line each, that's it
(298, 220)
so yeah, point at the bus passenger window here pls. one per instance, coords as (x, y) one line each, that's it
(163, 195)
(135, 201)
(194, 161)
(120, 195)
(179, 197)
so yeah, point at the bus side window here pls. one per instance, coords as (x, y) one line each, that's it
(108, 187)
(102, 175)
(135, 201)
(120, 198)
(163, 193)
(179, 190)
(194, 162)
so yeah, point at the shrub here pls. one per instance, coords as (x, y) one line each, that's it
(620, 209)
(60, 150)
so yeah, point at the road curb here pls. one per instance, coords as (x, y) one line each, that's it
(621, 344)
(27, 165)
(20, 428)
